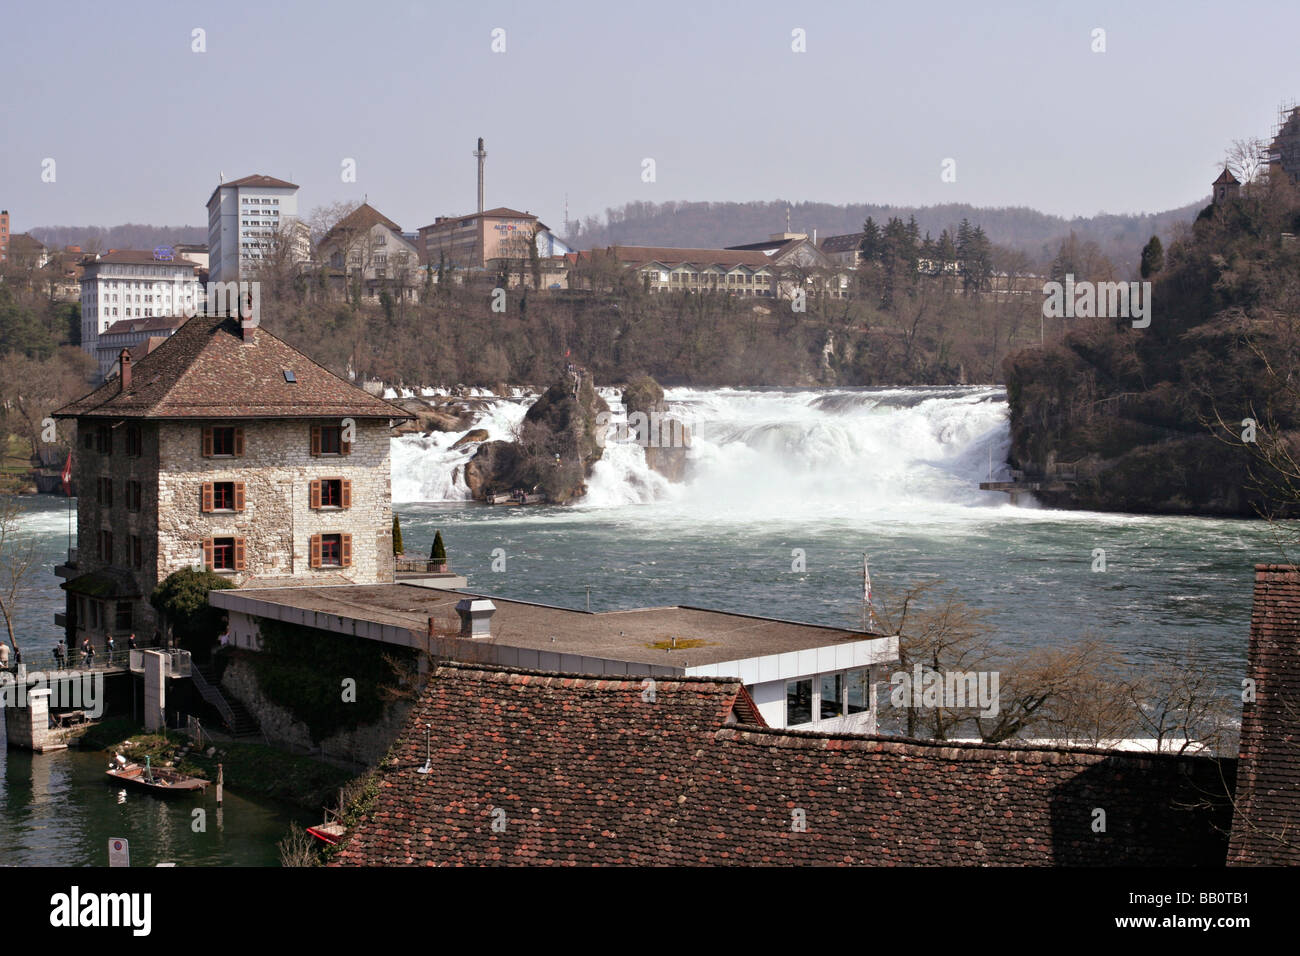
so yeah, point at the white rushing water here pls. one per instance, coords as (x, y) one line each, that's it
(823, 453)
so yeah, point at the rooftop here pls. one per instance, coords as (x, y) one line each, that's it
(361, 219)
(257, 180)
(135, 257)
(208, 370)
(593, 771)
(641, 636)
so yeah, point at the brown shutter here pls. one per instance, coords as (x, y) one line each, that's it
(239, 441)
(239, 554)
(315, 440)
(207, 553)
(207, 441)
(239, 496)
(314, 494)
(207, 497)
(345, 498)
(345, 550)
(315, 551)
(345, 447)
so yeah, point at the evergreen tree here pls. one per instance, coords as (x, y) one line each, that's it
(870, 245)
(438, 553)
(397, 535)
(1153, 257)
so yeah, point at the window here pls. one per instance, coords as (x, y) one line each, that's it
(832, 689)
(106, 546)
(104, 440)
(104, 492)
(331, 551)
(135, 550)
(224, 554)
(858, 698)
(328, 440)
(331, 493)
(124, 618)
(223, 441)
(222, 496)
(88, 440)
(798, 702)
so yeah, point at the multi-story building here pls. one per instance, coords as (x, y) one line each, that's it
(4, 234)
(140, 336)
(227, 449)
(133, 284)
(367, 247)
(250, 220)
(487, 240)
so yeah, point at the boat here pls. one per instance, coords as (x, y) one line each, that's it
(152, 779)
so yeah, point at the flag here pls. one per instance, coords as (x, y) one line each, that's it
(67, 476)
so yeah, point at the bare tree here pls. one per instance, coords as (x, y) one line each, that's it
(1245, 158)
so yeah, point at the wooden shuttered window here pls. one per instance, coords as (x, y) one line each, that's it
(322, 493)
(314, 495)
(239, 496)
(315, 550)
(207, 505)
(239, 554)
(315, 440)
(207, 553)
(232, 439)
(345, 550)
(346, 495)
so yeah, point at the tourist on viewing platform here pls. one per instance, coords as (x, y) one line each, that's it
(90, 653)
(130, 642)
(86, 651)
(59, 655)
(4, 656)
(110, 645)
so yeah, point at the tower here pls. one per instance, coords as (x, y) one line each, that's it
(1226, 186)
(481, 153)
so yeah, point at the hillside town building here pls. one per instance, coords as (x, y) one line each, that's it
(134, 284)
(495, 240)
(368, 249)
(224, 448)
(250, 220)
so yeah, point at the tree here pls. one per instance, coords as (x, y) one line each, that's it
(397, 535)
(438, 553)
(19, 560)
(1245, 158)
(1153, 257)
(182, 599)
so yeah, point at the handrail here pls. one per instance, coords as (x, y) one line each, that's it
(213, 697)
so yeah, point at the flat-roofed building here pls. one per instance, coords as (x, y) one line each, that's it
(134, 284)
(249, 219)
(798, 675)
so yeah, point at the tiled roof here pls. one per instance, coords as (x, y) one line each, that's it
(206, 370)
(1266, 826)
(361, 219)
(1226, 178)
(847, 243)
(134, 257)
(257, 180)
(595, 770)
(152, 324)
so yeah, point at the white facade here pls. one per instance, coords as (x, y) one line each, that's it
(130, 286)
(243, 220)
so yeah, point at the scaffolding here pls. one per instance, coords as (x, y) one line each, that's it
(1283, 154)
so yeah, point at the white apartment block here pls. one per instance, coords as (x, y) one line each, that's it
(134, 284)
(245, 217)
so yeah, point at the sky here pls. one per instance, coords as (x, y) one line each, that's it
(140, 124)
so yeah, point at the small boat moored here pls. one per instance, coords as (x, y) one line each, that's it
(151, 779)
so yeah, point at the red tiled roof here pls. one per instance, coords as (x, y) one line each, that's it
(206, 370)
(845, 243)
(599, 770)
(1226, 179)
(361, 219)
(152, 324)
(1266, 826)
(255, 180)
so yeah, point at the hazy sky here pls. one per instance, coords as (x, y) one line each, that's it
(140, 126)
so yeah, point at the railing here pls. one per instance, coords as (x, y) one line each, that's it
(421, 565)
(213, 697)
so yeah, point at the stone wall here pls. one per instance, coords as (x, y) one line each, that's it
(364, 745)
(277, 468)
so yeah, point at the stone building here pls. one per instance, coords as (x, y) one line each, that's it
(228, 449)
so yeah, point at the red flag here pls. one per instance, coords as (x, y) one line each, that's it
(67, 476)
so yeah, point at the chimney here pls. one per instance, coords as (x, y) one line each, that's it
(125, 377)
(481, 153)
(475, 617)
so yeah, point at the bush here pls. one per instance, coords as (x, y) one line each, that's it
(183, 598)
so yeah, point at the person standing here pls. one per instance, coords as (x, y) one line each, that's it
(110, 646)
(90, 654)
(59, 656)
(4, 656)
(130, 642)
(85, 651)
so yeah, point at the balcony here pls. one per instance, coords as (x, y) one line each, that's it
(68, 569)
